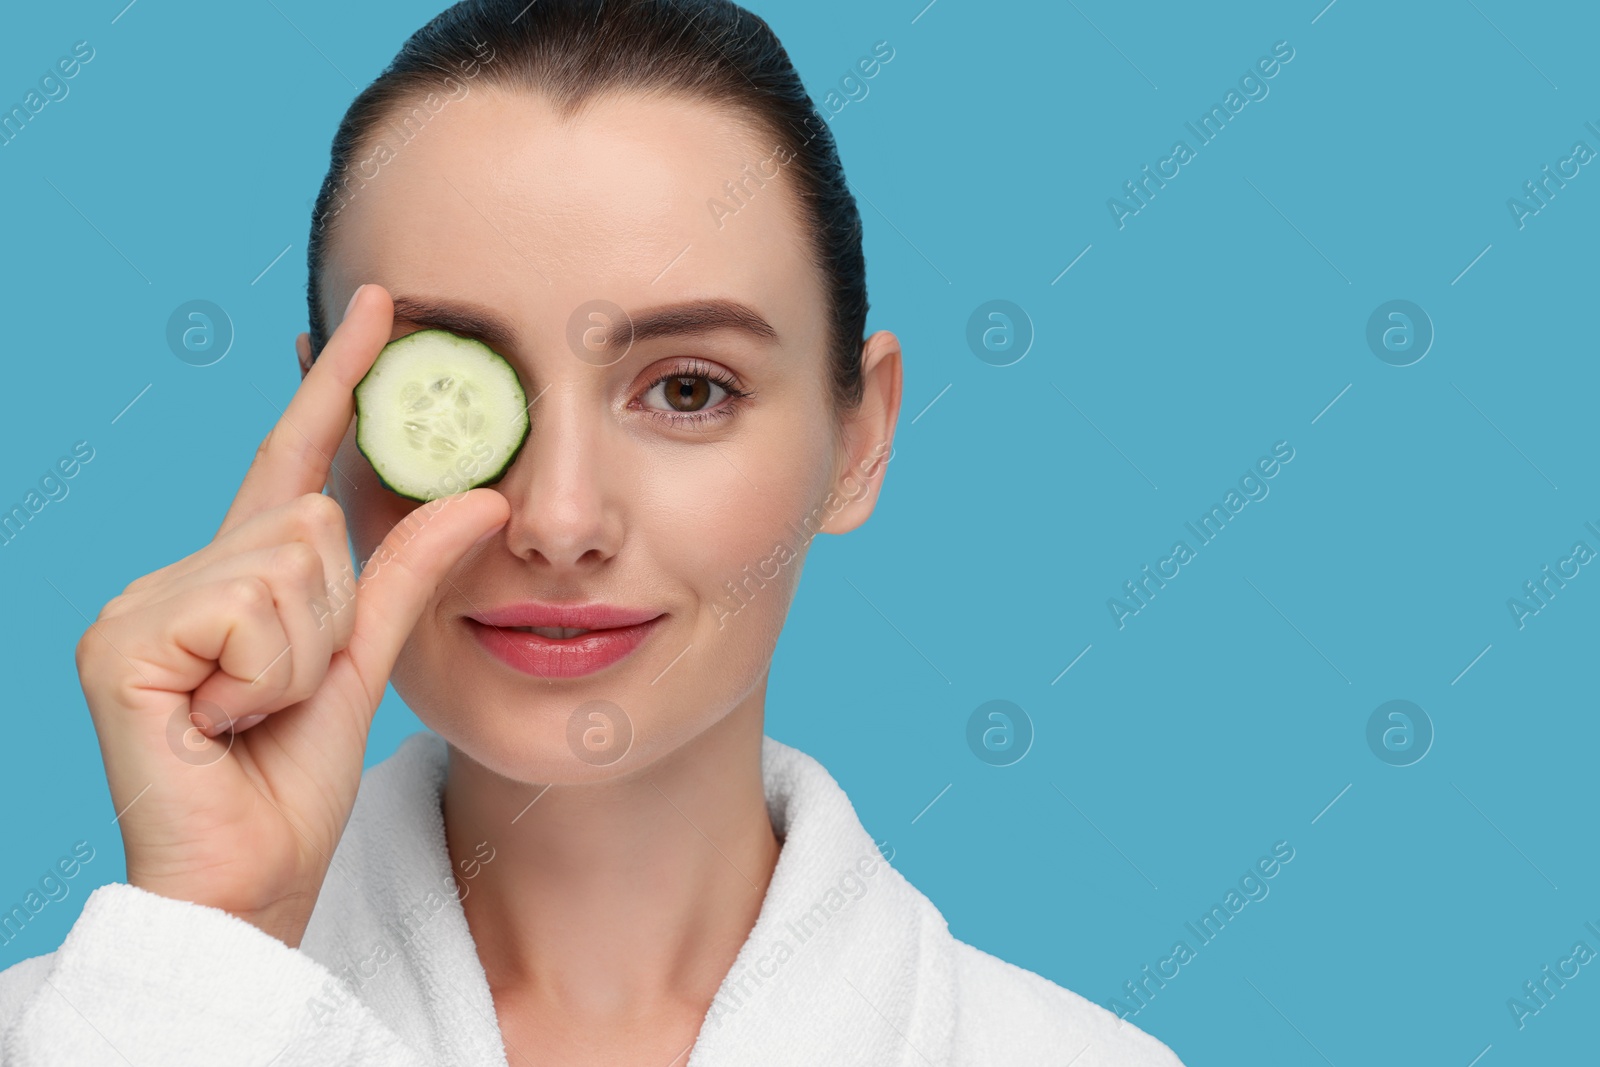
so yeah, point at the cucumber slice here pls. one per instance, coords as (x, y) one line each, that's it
(438, 414)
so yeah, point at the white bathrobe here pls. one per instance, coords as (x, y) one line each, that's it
(847, 964)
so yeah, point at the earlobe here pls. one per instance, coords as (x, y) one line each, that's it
(302, 347)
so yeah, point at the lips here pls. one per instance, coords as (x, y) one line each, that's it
(561, 640)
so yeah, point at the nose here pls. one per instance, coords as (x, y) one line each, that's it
(565, 504)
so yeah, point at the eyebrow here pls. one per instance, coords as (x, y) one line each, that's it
(468, 320)
(686, 318)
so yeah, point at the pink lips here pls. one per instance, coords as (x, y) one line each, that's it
(613, 632)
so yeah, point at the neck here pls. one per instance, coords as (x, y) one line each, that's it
(622, 898)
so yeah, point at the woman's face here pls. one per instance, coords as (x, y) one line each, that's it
(678, 501)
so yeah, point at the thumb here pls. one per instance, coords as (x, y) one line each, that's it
(401, 575)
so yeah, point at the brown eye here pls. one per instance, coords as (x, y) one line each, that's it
(687, 394)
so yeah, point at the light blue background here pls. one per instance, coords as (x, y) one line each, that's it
(1224, 317)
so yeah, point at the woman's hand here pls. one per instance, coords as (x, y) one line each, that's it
(232, 691)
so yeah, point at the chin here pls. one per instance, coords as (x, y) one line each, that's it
(572, 731)
(525, 736)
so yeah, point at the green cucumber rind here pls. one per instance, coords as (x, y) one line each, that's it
(376, 463)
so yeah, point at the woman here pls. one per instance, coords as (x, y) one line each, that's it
(595, 856)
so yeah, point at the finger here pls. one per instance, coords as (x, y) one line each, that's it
(293, 573)
(404, 571)
(312, 518)
(296, 456)
(230, 626)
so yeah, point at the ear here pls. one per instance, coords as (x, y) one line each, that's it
(868, 434)
(302, 347)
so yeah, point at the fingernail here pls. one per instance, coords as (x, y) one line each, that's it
(352, 303)
(490, 534)
(247, 722)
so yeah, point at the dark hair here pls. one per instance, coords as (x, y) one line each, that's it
(571, 50)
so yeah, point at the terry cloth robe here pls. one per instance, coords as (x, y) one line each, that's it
(847, 963)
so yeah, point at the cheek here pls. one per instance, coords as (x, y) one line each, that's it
(731, 526)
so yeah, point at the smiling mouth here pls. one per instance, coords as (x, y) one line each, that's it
(551, 652)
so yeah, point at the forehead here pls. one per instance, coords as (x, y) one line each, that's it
(637, 199)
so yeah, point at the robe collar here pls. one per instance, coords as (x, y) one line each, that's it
(847, 961)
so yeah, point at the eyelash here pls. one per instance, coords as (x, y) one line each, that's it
(697, 368)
